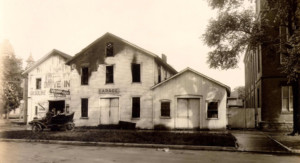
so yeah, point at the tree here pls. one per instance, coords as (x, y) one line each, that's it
(11, 68)
(236, 29)
(240, 92)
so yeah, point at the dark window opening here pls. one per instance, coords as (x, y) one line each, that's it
(136, 72)
(212, 110)
(109, 49)
(159, 74)
(85, 76)
(109, 74)
(36, 110)
(38, 83)
(165, 109)
(135, 107)
(84, 107)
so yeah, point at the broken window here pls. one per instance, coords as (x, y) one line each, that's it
(84, 107)
(84, 76)
(165, 109)
(136, 107)
(38, 83)
(109, 49)
(212, 110)
(136, 72)
(109, 74)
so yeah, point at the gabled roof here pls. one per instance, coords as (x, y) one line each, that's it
(52, 52)
(157, 58)
(196, 72)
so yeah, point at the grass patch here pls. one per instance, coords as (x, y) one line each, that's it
(123, 136)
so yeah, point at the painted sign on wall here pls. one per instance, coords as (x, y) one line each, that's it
(38, 92)
(109, 90)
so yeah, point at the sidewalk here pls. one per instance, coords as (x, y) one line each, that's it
(257, 141)
(291, 143)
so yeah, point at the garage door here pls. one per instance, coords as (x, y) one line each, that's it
(109, 111)
(188, 113)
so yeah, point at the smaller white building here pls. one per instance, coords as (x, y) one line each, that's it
(190, 100)
(47, 85)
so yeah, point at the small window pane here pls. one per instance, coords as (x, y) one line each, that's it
(38, 83)
(212, 110)
(165, 109)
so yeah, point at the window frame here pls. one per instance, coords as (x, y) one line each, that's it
(86, 81)
(207, 110)
(133, 109)
(161, 108)
(38, 85)
(132, 73)
(106, 75)
(290, 97)
(83, 112)
(110, 51)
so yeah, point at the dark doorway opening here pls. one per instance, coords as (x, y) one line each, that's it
(58, 105)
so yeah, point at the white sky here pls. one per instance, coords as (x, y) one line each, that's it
(172, 27)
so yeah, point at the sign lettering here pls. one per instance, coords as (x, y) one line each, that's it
(109, 90)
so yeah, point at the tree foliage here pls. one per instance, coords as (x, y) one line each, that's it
(237, 29)
(11, 68)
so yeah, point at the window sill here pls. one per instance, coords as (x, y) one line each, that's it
(287, 112)
(109, 83)
(165, 117)
(212, 118)
(84, 117)
(84, 85)
(136, 83)
(135, 118)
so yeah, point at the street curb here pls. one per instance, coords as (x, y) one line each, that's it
(108, 144)
(294, 151)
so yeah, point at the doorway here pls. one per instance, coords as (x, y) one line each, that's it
(109, 111)
(58, 105)
(188, 110)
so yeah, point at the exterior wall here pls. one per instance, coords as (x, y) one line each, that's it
(190, 85)
(241, 118)
(54, 74)
(121, 61)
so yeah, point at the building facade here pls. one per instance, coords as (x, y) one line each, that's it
(48, 85)
(113, 80)
(266, 87)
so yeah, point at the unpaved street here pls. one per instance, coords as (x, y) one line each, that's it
(12, 152)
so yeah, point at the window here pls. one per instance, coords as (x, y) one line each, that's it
(212, 110)
(287, 98)
(159, 74)
(84, 76)
(165, 109)
(109, 49)
(36, 110)
(136, 72)
(135, 107)
(38, 83)
(109, 74)
(84, 107)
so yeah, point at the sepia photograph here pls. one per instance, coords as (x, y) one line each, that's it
(146, 81)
